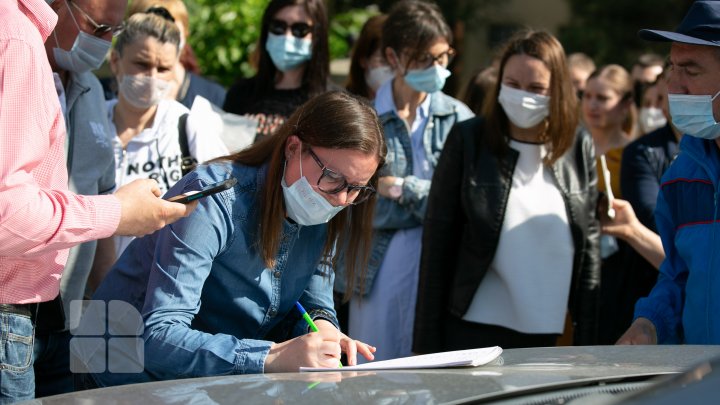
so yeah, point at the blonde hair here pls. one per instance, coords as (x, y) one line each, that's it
(620, 81)
(143, 25)
(580, 61)
(176, 8)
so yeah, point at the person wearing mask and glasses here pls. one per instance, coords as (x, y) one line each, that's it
(416, 117)
(682, 307)
(41, 217)
(77, 46)
(511, 239)
(217, 292)
(293, 64)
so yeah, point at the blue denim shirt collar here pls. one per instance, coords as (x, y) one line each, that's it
(209, 303)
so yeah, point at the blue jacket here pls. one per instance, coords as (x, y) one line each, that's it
(210, 306)
(409, 211)
(685, 303)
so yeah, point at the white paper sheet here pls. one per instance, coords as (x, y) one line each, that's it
(458, 358)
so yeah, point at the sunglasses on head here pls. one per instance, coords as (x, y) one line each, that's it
(161, 12)
(298, 29)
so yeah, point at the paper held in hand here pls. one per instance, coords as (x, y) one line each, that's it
(458, 358)
(608, 188)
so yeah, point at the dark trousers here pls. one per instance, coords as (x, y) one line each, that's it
(52, 351)
(461, 335)
(52, 364)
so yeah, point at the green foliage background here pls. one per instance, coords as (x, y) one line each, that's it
(607, 29)
(225, 34)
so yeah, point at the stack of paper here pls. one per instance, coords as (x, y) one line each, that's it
(458, 358)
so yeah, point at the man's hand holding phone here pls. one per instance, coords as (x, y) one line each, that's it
(143, 211)
(208, 190)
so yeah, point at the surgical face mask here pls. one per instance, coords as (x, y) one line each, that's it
(87, 53)
(524, 109)
(427, 80)
(376, 76)
(143, 91)
(306, 206)
(651, 118)
(287, 53)
(693, 115)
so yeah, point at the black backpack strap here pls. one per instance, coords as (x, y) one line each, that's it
(188, 162)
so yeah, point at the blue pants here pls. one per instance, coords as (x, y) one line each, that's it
(17, 378)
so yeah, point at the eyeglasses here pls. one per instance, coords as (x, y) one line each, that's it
(444, 59)
(298, 29)
(331, 182)
(99, 29)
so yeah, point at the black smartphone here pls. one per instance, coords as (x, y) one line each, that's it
(210, 189)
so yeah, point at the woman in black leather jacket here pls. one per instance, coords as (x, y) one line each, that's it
(510, 238)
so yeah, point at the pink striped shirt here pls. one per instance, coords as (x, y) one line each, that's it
(39, 217)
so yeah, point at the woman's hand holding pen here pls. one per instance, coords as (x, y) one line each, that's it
(316, 349)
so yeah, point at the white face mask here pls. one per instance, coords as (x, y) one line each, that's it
(376, 76)
(143, 91)
(524, 109)
(693, 115)
(87, 53)
(304, 205)
(651, 118)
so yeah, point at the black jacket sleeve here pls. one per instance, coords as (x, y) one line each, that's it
(442, 232)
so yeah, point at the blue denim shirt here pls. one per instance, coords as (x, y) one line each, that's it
(208, 302)
(409, 211)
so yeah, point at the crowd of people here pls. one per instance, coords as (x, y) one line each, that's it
(560, 202)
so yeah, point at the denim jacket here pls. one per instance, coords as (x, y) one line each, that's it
(209, 304)
(409, 211)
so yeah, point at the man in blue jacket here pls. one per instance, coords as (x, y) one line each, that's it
(684, 305)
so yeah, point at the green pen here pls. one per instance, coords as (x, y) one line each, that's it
(309, 321)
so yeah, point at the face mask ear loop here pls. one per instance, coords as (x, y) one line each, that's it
(72, 15)
(300, 157)
(74, 20)
(399, 65)
(715, 96)
(56, 40)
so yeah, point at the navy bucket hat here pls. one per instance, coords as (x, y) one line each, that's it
(701, 26)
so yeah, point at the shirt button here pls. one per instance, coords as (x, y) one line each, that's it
(277, 273)
(272, 312)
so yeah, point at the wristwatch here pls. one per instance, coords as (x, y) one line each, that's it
(396, 190)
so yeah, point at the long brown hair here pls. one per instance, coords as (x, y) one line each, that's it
(563, 117)
(368, 42)
(317, 72)
(334, 120)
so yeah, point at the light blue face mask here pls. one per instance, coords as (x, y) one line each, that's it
(693, 115)
(304, 205)
(427, 80)
(87, 53)
(287, 53)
